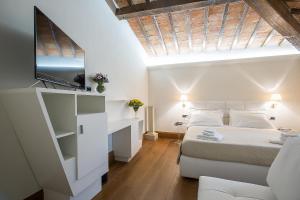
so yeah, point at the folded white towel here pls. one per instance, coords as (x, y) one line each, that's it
(207, 133)
(287, 135)
(215, 137)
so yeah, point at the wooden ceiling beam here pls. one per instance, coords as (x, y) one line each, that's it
(268, 38)
(253, 35)
(173, 33)
(292, 0)
(295, 11)
(143, 31)
(164, 6)
(161, 39)
(239, 27)
(225, 13)
(188, 29)
(129, 2)
(281, 42)
(278, 15)
(205, 28)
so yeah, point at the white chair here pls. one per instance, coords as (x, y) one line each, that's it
(283, 180)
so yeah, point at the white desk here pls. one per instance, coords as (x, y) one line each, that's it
(127, 137)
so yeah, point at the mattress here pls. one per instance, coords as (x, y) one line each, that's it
(243, 145)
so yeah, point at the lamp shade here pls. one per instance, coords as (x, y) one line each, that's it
(183, 97)
(276, 97)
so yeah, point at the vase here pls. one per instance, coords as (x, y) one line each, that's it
(136, 115)
(100, 88)
(94, 87)
(136, 108)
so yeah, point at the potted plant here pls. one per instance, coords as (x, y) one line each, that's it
(135, 104)
(99, 79)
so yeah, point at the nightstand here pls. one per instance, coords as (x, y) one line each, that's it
(180, 130)
(285, 134)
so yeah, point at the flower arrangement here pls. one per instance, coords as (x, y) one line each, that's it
(100, 79)
(135, 104)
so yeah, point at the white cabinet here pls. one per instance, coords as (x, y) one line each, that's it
(137, 131)
(64, 138)
(127, 137)
(134, 138)
(141, 132)
(92, 151)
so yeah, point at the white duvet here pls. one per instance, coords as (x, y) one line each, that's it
(244, 145)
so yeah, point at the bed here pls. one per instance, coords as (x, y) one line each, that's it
(244, 154)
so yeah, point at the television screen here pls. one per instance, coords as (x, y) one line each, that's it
(58, 59)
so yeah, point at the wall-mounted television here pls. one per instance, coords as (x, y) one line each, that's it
(58, 59)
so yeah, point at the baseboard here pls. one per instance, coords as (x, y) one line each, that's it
(36, 196)
(172, 135)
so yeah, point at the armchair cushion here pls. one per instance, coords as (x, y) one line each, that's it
(220, 189)
(284, 174)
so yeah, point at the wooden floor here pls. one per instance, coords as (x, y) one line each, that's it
(152, 175)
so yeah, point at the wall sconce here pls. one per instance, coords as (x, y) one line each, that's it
(275, 98)
(184, 99)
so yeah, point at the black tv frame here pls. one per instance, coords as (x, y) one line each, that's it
(35, 64)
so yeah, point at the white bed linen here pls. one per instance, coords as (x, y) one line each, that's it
(206, 118)
(242, 145)
(250, 119)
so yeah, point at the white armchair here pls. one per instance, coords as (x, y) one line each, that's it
(283, 180)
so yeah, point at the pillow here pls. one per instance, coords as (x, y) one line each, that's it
(284, 174)
(206, 118)
(249, 119)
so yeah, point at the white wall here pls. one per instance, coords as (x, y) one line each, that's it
(237, 80)
(110, 47)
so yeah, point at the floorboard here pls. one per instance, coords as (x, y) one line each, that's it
(152, 175)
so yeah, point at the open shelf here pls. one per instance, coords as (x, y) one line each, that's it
(68, 146)
(61, 134)
(90, 104)
(61, 109)
(68, 157)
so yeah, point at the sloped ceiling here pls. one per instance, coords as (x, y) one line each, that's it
(218, 25)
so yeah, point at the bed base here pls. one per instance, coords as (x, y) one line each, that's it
(196, 167)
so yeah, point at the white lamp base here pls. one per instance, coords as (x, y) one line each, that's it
(153, 136)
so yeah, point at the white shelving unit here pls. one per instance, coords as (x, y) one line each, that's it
(64, 137)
